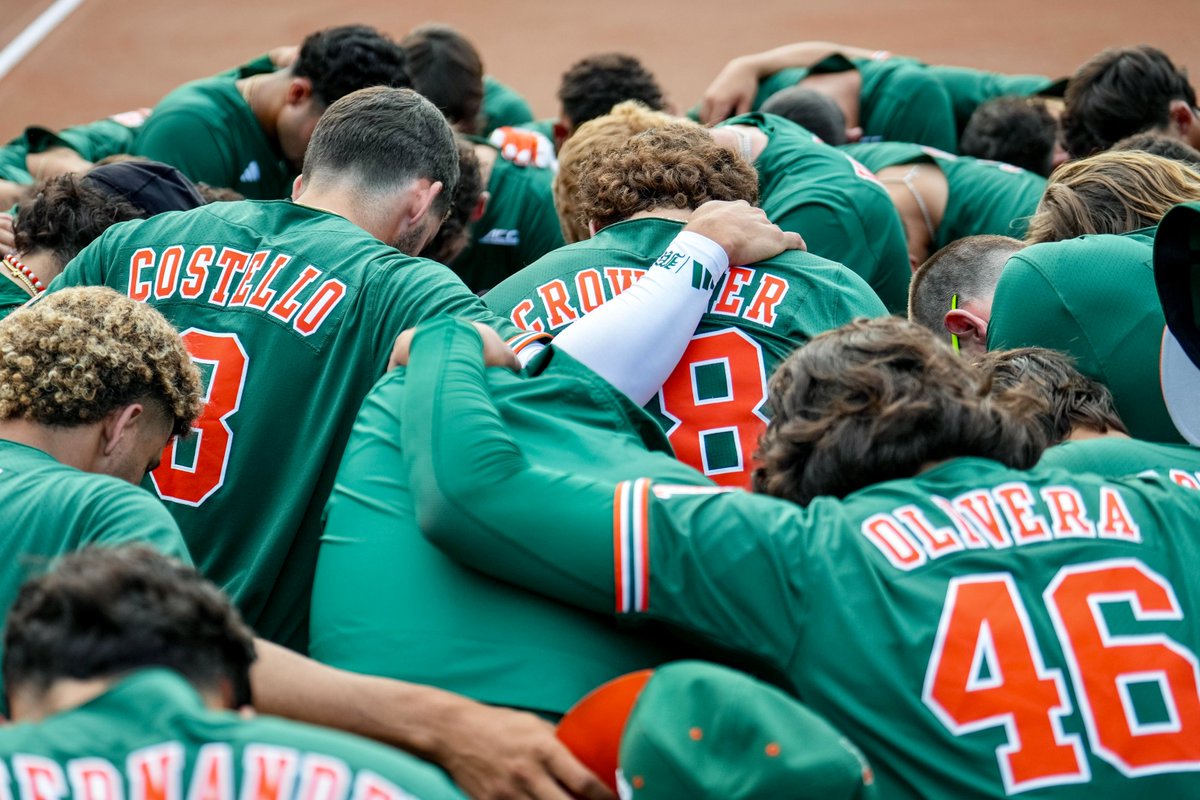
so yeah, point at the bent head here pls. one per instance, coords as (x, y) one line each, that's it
(594, 85)
(102, 613)
(877, 400)
(90, 356)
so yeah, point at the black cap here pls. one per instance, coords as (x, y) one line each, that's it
(1177, 278)
(151, 186)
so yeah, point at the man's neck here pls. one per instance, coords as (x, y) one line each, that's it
(665, 212)
(265, 95)
(74, 446)
(344, 203)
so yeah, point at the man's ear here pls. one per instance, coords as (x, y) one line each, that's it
(297, 187)
(964, 324)
(480, 206)
(853, 135)
(422, 197)
(593, 228)
(299, 91)
(562, 132)
(119, 423)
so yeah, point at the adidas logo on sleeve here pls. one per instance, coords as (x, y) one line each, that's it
(252, 173)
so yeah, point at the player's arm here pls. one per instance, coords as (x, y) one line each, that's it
(491, 753)
(706, 562)
(732, 91)
(635, 340)
(927, 114)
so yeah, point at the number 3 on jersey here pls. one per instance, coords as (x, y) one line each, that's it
(191, 471)
(714, 400)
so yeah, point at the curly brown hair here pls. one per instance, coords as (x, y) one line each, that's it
(74, 356)
(1113, 192)
(1067, 399)
(65, 215)
(877, 400)
(603, 133)
(676, 166)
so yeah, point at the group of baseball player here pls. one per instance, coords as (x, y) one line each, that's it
(593, 457)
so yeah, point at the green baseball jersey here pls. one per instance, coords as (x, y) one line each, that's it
(291, 313)
(984, 196)
(900, 100)
(1118, 456)
(713, 406)
(1092, 297)
(207, 131)
(977, 630)
(151, 736)
(502, 105)
(12, 161)
(519, 225)
(970, 88)
(841, 210)
(12, 295)
(386, 602)
(51, 509)
(93, 141)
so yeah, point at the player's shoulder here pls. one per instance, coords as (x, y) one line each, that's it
(201, 96)
(1083, 260)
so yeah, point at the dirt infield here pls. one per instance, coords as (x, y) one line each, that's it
(112, 55)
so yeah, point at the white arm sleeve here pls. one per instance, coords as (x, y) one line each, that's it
(634, 340)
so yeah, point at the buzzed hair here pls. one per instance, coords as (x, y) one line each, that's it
(1157, 144)
(969, 267)
(381, 139)
(808, 108)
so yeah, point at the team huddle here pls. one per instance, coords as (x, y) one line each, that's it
(594, 457)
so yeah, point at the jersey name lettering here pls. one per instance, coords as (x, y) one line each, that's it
(271, 284)
(1010, 515)
(744, 293)
(156, 773)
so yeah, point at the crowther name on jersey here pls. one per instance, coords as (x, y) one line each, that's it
(595, 287)
(281, 292)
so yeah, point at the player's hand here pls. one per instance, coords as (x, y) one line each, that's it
(495, 352)
(8, 243)
(496, 754)
(744, 231)
(524, 147)
(731, 92)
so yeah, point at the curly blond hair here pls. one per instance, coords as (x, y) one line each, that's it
(675, 166)
(1113, 192)
(611, 131)
(76, 355)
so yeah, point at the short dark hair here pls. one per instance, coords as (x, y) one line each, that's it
(877, 400)
(455, 232)
(345, 59)
(66, 214)
(446, 69)
(592, 86)
(1118, 93)
(809, 108)
(675, 166)
(384, 138)
(968, 267)
(102, 612)
(1069, 399)
(1156, 144)
(1016, 130)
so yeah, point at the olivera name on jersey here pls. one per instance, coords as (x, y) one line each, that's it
(156, 773)
(746, 293)
(300, 298)
(1009, 515)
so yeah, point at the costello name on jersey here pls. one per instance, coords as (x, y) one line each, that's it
(273, 284)
(745, 293)
(1009, 515)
